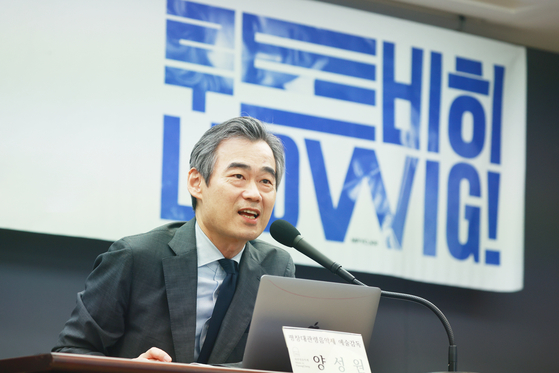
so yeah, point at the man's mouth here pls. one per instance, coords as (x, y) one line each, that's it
(250, 214)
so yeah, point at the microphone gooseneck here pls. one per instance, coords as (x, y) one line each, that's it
(286, 234)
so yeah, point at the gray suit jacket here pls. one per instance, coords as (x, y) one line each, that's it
(142, 294)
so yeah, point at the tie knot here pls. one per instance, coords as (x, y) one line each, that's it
(229, 266)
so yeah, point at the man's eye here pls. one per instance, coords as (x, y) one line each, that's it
(266, 181)
(238, 176)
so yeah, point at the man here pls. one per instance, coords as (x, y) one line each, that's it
(152, 295)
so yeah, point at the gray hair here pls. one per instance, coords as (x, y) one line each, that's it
(203, 156)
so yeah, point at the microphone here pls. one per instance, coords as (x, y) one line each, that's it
(286, 234)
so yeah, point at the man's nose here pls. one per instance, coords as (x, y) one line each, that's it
(252, 192)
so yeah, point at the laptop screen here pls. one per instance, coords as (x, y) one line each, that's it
(285, 301)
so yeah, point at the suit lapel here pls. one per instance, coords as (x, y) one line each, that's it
(181, 277)
(238, 316)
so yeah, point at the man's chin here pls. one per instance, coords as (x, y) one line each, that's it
(252, 230)
(251, 234)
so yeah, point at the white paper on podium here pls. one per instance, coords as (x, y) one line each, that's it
(316, 350)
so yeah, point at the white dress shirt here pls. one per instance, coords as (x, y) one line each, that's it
(210, 277)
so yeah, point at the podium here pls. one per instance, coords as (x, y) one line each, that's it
(61, 362)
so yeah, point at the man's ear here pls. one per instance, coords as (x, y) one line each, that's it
(195, 181)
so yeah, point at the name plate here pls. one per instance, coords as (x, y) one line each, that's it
(317, 350)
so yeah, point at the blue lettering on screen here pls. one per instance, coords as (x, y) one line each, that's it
(363, 166)
(277, 54)
(467, 80)
(435, 102)
(291, 182)
(344, 92)
(200, 35)
(493, 183)
(279, 45)
(499, 72)
(310, 122)
(467, 66)
(170, 208)
(200, 84)
(177, 31)
(393, 90)
(461, 251)
(431, 208)
(460, 106)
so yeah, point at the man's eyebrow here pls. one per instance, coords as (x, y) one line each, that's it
(238, 165)
(269, 170)
(245, 166)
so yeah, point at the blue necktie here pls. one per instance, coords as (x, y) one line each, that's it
(226, 291)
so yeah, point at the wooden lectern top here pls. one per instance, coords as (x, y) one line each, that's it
(62, 362)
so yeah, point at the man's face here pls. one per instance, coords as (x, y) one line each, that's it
(237, 204)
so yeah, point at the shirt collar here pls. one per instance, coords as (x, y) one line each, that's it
(206, 250)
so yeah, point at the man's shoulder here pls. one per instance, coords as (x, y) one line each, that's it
(159, 237)
(264, 246)
(263, 250)
(166, 230)
(162, 233)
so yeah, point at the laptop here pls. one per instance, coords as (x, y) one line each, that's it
(285, 301)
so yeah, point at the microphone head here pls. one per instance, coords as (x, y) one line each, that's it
(283, 232)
